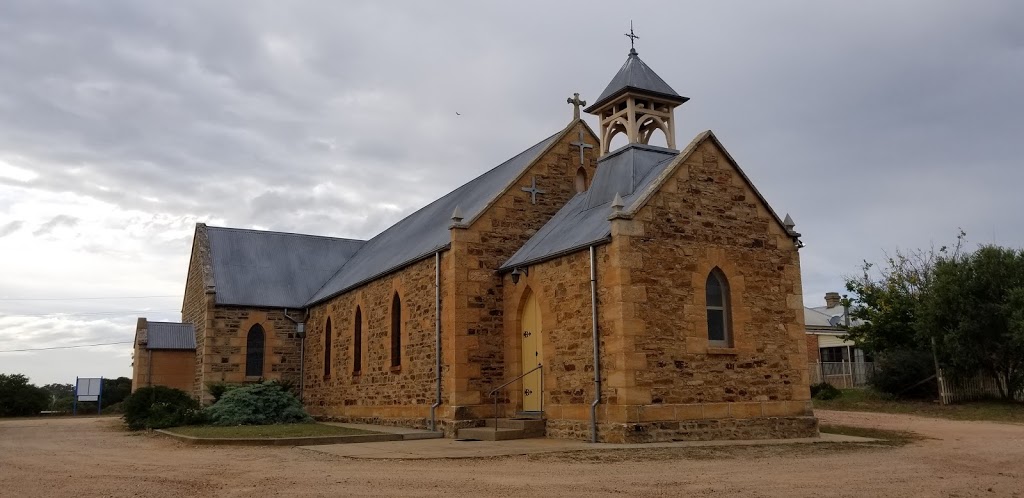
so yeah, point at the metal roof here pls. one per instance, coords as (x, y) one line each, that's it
(170, 335)
(824, 317)
(583, 221)
(260, 268)
(636, 75)
(426, 231)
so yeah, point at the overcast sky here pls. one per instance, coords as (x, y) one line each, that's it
(876, 124)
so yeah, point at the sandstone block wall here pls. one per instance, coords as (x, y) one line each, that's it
(198, 301)
(475, 313)
(704, 217)
(398, 396)
(224, 345)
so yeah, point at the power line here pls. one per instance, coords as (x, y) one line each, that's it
(64, 347)
(79, 298)
(6, 314)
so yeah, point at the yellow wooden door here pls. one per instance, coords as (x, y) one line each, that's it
(532, 343)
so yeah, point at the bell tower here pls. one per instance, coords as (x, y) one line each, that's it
(637, 103)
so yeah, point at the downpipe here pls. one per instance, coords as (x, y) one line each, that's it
(300, 329)
(597, 350)
(437, 335)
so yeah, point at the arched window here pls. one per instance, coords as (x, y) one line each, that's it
(717, 298)
(581, 180)
(254, 352)
(327, 349)
(357, 342)
(396, 331)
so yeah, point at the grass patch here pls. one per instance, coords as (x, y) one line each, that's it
(267, 431)
(866, 400)
(884, 437)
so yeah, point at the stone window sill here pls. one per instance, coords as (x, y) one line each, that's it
(253, 378)
(357, 373)
(722, 351)
(396, 369)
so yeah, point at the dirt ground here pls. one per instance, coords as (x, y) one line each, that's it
(93, 457)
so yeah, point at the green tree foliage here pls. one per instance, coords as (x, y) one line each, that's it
(61, 396)
(907, 373)
(257, 404)
(973, 311)
(18, 398)
(157, 407)
(116, 390)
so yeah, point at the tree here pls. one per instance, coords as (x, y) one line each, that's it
(887, 299)
(973, 310)
(61, 396)
(19, 398)
(116, 390)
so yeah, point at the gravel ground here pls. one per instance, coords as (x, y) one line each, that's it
(93, 457)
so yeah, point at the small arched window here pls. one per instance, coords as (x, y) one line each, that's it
(327, 349)
(254, 343)
(717, 299)
(581, 180)
(396, 331)
(357, 342)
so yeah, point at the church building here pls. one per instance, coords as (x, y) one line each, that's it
(646, 293)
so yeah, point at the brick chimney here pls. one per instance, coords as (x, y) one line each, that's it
(831, 299)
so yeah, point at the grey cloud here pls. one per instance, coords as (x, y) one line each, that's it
(873, 131)
(61, 220)
(10, 228)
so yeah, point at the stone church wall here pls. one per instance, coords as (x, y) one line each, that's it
(477, 317)
(378, 393)
(197, 302)
(224, 345)
(705, 216)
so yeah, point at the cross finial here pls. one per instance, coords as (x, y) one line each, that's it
(632, 38)
(576, 103)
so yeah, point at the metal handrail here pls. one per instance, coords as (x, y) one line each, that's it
(494, 392)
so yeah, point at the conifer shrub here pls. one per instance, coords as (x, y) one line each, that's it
(157, 407)
(257, 404)
(825, 391)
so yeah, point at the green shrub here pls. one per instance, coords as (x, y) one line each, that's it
(825, 391)
(217, 389)
(900, 372)
(157, 407)
(258, 404)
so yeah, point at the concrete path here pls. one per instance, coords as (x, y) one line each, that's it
(407, 433)
(451, 448)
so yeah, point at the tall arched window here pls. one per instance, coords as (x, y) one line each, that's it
(254, 351)
(327, 349)
(396, 331)
(717, 298)
(357, 342)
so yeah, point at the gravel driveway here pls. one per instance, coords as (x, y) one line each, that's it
(93, 457)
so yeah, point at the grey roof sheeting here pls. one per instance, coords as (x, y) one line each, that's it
(583, 221)
(260, 268)
(170, 335)
(426, 231)
(636, 75)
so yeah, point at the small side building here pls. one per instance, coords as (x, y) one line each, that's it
(165, 355)
(831, 356)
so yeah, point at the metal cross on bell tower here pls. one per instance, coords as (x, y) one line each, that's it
(632, 37)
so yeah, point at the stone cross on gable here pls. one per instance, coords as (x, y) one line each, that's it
(582, 145)
(533, 190)
(576, 104)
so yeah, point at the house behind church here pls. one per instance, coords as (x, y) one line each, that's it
(629, 295)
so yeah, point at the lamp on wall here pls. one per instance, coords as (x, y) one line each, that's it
(517, 272)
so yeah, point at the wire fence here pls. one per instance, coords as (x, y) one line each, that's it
(842, 374)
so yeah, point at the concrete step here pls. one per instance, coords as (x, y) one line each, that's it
(531, 427)
(490, 434)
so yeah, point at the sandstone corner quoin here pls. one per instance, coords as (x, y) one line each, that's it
(663, 271)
